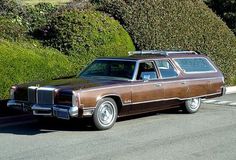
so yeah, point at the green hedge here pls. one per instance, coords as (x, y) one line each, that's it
(185, 24)
(38, 15)
(26, 62)
(86, 35)
(12, 8)
(11, 29)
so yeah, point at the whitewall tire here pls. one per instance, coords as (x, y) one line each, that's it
(192, 105)
(105, 114)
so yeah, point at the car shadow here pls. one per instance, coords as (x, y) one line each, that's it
(168, 111)
(36, 126)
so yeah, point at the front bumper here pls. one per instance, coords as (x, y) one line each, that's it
(19, 105)
(51, 110)
(45, 110)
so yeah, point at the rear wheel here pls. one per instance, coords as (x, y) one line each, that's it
(192, 105)
(105, 114)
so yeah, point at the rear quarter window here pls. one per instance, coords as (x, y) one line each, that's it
(195, 65)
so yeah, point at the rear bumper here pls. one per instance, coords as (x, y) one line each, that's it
(223, 90)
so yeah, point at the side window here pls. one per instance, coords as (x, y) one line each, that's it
(166, 69)
(195, 65)
(146, 71)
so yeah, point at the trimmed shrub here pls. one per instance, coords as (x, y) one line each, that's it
(167, 24)
(25, 62)
(87, 35)
(11, 29)
(11, 8)
(39, 15)
(32, 17)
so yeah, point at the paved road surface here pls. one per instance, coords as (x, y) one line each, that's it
(209, 134)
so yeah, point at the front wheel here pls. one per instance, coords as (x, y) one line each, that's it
(105, 114)
(192, 105)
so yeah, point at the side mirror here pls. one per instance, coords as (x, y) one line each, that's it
(146, 78)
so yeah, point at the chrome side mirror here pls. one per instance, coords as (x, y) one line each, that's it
(146, 78)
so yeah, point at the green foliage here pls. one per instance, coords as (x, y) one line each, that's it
(186, 24)
(32, 17)
(39, 15)
(56, 2)
(226, 9)
(11, 29)
(87, 34)
(11, 8)
(27, 62)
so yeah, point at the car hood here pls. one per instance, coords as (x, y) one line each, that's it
(74, 83)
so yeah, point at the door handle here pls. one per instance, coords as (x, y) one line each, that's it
(183, 82)
(158, 85)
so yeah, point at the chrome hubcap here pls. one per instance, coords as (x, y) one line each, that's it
(106, 113)
(194, 104)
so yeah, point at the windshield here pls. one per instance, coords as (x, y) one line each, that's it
(110, 68)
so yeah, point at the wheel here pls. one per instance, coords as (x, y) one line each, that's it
(192, 105)
(105, 114)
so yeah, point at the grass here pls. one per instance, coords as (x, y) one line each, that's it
(33, 2)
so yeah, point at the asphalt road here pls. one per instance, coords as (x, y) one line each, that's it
(209, 134)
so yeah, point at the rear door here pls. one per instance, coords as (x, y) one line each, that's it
(175, 87)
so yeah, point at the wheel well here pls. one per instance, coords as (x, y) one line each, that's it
(117, 99)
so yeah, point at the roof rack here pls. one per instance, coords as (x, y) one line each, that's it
(165, 53)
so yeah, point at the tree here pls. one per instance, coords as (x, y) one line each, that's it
(226, 9)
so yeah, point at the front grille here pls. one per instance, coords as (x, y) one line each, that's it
(32, 94)
(45, 95)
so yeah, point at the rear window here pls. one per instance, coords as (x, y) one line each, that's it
(195, 65)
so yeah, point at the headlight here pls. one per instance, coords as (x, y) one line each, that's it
(75, 99)
(12, 92)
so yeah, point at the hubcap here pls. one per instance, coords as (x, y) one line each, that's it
(106, 113)
(194, 104)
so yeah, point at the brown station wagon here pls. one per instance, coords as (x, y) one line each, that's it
(145, 81)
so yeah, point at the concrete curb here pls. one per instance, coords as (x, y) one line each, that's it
(230, 90)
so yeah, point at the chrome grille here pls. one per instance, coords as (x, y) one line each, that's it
(32, 94)
(45, 96)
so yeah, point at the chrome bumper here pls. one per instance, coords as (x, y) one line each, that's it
(223, 91)
(50, 110)
(17, 105)
(43, 110)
